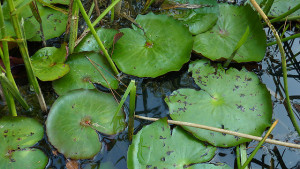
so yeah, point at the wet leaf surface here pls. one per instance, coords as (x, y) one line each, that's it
(232, 100)
(165, 46)
(76, 117)
(17, 134)
(155, 147)
(219, 42)
(48, 63)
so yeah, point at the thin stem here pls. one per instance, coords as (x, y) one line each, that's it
(112, 15)
(238, 157)
(283, 61)
(284, 14)
(268, 6)
(131, 111)
(243, 153)
(73, 27)
(53, 7)
(91, 9)
(81, 8)
(285, 39)
(259, 145)
(25, 55)
(181, 123)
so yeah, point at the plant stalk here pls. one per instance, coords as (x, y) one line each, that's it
(131, 111)
(181, 123)
(73, 27)
(243, 153)
(81, 8)
(25, 55)
(282, 15)
(259, 145)
(285, 39)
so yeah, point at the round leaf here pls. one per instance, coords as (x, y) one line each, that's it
(89, 43)
(48, 63)
(230, 27)
(232, 100)
(154, 147)
(16, 135)
(165, 46)
(199, 23)
(83, 73)
(75, 118)
(210, 166)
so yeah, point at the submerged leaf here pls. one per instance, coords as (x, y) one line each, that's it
(165, 46)
(17, 134)
(232, 100)
(219, 42)
(83, 73)
(155, 147)
(75, 118)
(48, 63)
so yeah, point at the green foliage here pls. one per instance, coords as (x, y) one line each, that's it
(232, 100)
(17, 135)
(76, 117)
(48, 63)
(164, 46)
(155, 147)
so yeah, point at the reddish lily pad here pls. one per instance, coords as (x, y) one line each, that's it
(75, 119)
(48, 63)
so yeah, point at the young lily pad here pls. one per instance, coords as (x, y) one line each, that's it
(200, 23)
(48, 63)
(230, 27)
(17, 134)
(232, 100)
(75, 119)
(165, 46)
(155, 147)
(54, 22)
(83, 73)
(89, 43)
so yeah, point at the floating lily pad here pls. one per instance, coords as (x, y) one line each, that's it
(155, 147)
(54, 22)
(89, 43)
(232, 100)
(83, 73)
(17, 134)
(210, 166)
(165, 46)
(199, 15)
(219, 42)
(75, 119)
(48, 63)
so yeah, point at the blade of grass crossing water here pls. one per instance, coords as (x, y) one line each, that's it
(25, 55)
(283, 62)
(131, 111)
(259, 145)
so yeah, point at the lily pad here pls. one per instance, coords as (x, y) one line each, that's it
(54, 22)
(232, 100)
(17, 135)
(83, 74)
(165, 46)
(230, 27)
(210, 166)
(155, 147)
(48, 63)
(75, 119)
(200, 23)
(89, 43)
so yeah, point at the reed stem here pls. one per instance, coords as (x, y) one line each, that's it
(73, 27)
(285, 39)
(131, 111)
(282, 15)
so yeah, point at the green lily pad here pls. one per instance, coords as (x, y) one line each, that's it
(210, 166)
(230, 27)
(75, 119)
(232, 100)
(48, 63)
(165, 46)
(155, 147)
(89, 43)
(200, 23)
(83, 74)
(54, 22)
(17, 134)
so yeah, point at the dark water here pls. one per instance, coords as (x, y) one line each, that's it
(150, 103)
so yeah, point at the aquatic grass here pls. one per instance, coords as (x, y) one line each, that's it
(282, 15)
(132, 106)
(53, 7)
(259, 145)
(285, 39)
(283, 61)
(181, 123)
(73, 27)
(238, 156)
(25, 55)
(243, 154)
(268, 6)
(36, 14)
(91, 27)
